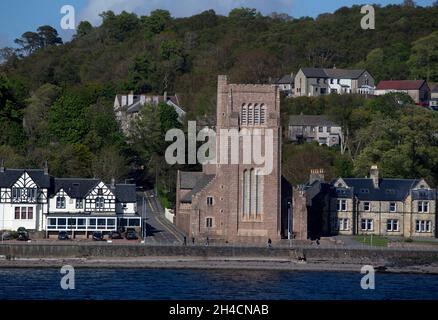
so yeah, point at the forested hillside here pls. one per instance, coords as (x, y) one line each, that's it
(56, 99)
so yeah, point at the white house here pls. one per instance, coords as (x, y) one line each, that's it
(37, 201)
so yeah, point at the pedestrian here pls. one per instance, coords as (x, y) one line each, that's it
(269, 243)
(207, 242)
(193, 240)
(185, 241)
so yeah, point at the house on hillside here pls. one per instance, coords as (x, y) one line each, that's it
(286, 84)
(373, 205)
(305, 128)
(433, 96)
(418, 90)
(315, 82)
(127, 107)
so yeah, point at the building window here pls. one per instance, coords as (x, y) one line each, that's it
(250, 115)
(392, 225)
(16, 194)
(79, 203)
(366, 224)
(100, 201)
(423, 226)
(60, 202)
(256, 114)
(392, 207)
(341, 205)
(343, 224)
(366, 206)
(100, 191)
(31, 194)
(262, 114)
(209, 201)
(423, 206)
(320, 129)
(209, 222)
(17, 213)
(243, 115)
(30, 213)
(23, 213)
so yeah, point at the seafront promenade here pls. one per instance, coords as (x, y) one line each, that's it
(311, 258)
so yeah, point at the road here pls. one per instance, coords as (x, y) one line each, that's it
(159, 229)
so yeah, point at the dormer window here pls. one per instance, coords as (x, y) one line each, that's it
(100, 191)
(60, 202)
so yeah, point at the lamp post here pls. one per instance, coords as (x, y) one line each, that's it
(289, 223)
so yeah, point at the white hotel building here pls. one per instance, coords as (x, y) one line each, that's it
(33, 199)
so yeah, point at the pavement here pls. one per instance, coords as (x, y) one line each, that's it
(158, 229)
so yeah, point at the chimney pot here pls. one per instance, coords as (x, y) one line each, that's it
(374, 175)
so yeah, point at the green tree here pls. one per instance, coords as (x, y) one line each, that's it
(83, 29)
(423, 61)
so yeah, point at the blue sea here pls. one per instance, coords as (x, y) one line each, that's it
(165, 284)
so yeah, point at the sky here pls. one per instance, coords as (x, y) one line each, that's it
(19, 16)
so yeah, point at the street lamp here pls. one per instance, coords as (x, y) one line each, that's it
(289, 222)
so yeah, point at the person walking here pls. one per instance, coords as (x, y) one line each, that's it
(269, 243)
(185, 240)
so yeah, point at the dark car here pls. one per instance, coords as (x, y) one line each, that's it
(5, 235)
(22, 234)
(98, 236)
(116, 235)
(131, 235)
(63, 235)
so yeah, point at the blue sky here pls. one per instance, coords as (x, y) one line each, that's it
(18, 16)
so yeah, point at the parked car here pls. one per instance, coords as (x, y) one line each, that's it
(22, 234)
(98, 236)
(63, 235)
(131, 235)
(116, 235)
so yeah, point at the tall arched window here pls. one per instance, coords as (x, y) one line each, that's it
(250, 114)
(243, 115)
(253, 192)
(245, 192)
(262, 114)
(256, 114)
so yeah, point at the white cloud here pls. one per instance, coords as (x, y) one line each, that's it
(179, 8)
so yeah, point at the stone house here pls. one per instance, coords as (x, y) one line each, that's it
(374, 205)
(127, 107)
(308, 128)
(286, 84)
(418, 90)
(315, 82)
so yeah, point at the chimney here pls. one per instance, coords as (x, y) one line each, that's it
(46, 168)
(165, 97)
(316, 175)
(2, 166)
(143, 99)
(124, 101)
(113, 183)
(130, 98)
(374, 175)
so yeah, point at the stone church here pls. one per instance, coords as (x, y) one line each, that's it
(231, 202)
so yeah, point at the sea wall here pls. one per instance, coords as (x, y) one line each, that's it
(389, 256)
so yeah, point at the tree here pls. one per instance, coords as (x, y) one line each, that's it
(48, 36)
(158, 21)
(83, 29)
(109, 164)
(36, 114)
(423, 61)
(29, 42)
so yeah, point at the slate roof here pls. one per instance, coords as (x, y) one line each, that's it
(126, 193)
(434, 88)
(79, 188)
(75, 188)
(196, 181)
(400, 84)
(333, 73)
(389, 189)
(287, 79)
(10, 176)
(309, 120)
